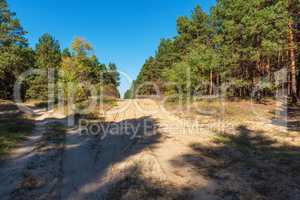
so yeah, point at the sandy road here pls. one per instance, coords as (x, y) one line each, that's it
(92, 165)
(87, 159)
(141, 150)
(136, 132)
(176, 137)
(13, 168)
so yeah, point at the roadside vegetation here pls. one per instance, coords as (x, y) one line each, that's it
(249, 164)
(73, 71)
(12, 132)
(253, 150)
(14, 126)
(43, 175)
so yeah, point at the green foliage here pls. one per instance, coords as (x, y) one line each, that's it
(238, 42)
(11, 31)
(128, 94)
(149, 72)
(112, 76)
(15, 57)
(80, 72)
(66, 53)
(76, 66)
(47, 57)
(47, 52)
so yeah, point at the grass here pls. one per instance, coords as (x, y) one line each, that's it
(257, 158)
(258, 145)
(14, 127)
(268, 167)
(222, 139)
(234, 111)
(12, 132)
(43, 173)
(55, 133)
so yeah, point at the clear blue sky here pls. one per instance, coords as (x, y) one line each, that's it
(125, 32)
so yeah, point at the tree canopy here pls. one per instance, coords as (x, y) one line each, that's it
(74, 65)
(241, 43)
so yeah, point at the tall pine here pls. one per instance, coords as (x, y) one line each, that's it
(47, 59)
(15, 56)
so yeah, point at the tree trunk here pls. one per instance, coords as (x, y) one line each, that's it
(218, 83)
(293, 63)
(288, 84)
(268, 66)
(211, 83)
(298, 85)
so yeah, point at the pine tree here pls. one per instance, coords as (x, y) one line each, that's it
(293, 7)
(47, 58)
(15, 56)
(242, 43)
(11, 32)
(112, 75)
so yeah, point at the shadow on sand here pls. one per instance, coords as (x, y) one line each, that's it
(88, 158)
(247, 165)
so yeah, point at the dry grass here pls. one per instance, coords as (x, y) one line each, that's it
(14, 127)
(250, 165)
(236, 111)
(254, 159)
(43, 174)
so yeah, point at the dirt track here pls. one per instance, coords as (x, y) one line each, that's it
(144, 147)
(92, 165)
(31, 160)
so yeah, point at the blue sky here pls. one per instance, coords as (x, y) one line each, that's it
(125, 32)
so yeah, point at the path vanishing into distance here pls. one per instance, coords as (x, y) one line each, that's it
(138, 133)
(89, 164)
(136, 138)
